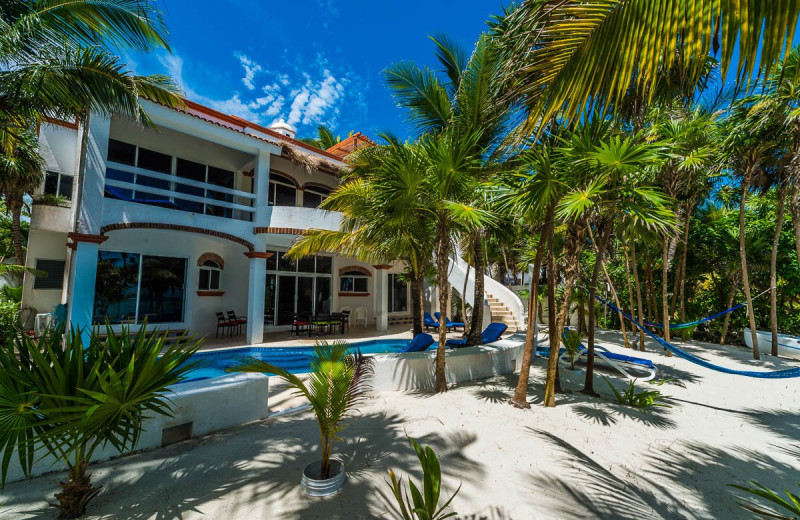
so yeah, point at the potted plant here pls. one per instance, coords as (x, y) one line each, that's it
(67, 399)
(572, 339)
(337, 382)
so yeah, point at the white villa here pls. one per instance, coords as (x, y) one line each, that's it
(178, 224)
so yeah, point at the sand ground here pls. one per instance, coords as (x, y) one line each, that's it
(586, 458)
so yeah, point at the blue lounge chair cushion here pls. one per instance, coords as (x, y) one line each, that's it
(489, 335)
(419, 343)
(429, 321)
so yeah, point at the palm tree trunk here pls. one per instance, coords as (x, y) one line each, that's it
(581, 308)
(442, 267)
(552, 325)
(588, 386)
(416, 303)
(476, 327)
(467, 326)
(639, 305)
(773, 270)
(664, 288)
(673, 306)
(684, 259)
(650, 286)
(614, 292)
(795, 207)
(520, 399)
(631, 296)
(743, 258)
(727, 320)
(15, 207)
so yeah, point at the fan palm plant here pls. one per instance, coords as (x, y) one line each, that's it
(67, 399)
(337, 383)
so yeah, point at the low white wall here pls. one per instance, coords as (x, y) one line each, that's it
(210, 405)
(415, 371)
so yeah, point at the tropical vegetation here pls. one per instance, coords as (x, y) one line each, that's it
(66, 398)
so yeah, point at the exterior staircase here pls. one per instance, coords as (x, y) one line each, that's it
(502, 314)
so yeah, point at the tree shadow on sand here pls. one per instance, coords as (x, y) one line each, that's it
(596, 492)
(256, 469)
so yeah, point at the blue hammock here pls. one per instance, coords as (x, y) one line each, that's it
(779, 374)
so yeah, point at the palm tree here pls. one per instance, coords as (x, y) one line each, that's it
(55, 62)
(465, 96)
(748, 153)
(325, 138)
(570, 57)
(375, 228)
(20, 173)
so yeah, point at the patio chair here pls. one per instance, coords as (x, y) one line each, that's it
(225, 323)
(361, 315)
(419, 343)
(301, 324)
(240, 320)
(429, 322)
(489, 335)
(345, 320)
(451, 325)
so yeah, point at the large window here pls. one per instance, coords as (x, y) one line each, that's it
(60, 184)
(163, 164)
(353, 282)
(296, 287)
(282, 191)
(398, 293)
(313, 196)
(131, 288)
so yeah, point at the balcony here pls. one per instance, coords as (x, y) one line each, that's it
(293, 217)
(131, 184)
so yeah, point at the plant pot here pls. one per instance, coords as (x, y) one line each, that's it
(315, 486)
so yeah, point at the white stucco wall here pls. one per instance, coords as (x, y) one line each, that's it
(58, 146)
(46, 245)
(210, 405)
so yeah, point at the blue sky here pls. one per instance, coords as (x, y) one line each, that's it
(309, 62)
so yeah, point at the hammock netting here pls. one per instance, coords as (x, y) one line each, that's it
(778, 374)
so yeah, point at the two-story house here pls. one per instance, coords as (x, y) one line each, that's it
(175, 225)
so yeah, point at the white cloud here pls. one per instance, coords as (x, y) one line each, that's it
(304, 98)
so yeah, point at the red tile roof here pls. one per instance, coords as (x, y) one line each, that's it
(350, 145)
(241, 125)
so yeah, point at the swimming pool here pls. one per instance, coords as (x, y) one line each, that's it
(295, 359)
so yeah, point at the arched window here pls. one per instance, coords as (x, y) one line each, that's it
(282, 191)
(314, 195)
(210, 275)
(354, 282)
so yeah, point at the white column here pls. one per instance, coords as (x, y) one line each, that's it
(86, 239)
(257, 271)
(83, 274)
(381, 297)
(257, 283)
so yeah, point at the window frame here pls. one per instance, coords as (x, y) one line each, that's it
(275, 179)
(59, 175)
(210, 270)
(46, 279)
(353, 276)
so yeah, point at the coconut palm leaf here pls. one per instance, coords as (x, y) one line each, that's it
(570, 54)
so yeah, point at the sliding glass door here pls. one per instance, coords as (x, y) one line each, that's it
(302, 288)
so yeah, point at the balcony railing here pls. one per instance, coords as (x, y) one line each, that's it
(137, 185)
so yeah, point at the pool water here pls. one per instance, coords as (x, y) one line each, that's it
(295, 359)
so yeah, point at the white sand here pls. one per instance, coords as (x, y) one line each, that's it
(586, 458)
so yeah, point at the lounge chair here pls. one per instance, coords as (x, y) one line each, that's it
(489, 335)
(419, 343)
(451, 325)
(430, 323)
(619, 362)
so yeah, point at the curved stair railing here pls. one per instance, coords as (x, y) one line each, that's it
(505, 296)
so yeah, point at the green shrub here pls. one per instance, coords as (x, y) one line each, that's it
(67, 399)
(643, 400)
(572, 339)
(422, 505)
